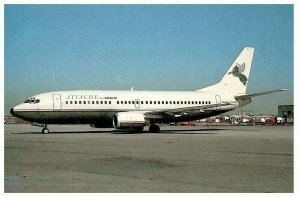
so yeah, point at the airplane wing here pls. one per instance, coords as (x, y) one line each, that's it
(177, 112)
(245, 96)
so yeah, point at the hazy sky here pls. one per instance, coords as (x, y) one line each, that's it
(150, 47)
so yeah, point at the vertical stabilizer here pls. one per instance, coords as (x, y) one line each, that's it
(236, 78)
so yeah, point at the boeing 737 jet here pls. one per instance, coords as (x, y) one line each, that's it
(135, 109)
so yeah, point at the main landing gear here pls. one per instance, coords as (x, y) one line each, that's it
(153, 128)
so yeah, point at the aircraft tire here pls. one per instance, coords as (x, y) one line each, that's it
(154, 128)
(45, 131)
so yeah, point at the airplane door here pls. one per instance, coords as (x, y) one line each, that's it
(218, 101)
(56, 101)
(137, 103)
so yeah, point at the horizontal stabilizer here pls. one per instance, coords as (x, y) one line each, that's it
(257, 94)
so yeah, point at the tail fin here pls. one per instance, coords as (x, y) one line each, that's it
(235, 79)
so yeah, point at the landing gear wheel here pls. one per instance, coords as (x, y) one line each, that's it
(154, 128)
(45, 131)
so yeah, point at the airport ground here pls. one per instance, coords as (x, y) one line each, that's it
(78, 158)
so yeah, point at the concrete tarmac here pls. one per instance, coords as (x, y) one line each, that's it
(78, 158)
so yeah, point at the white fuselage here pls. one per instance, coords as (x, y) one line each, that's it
(94, 106)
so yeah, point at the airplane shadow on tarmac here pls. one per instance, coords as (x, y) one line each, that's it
(124, 132)
(63, 132)
(192, 131)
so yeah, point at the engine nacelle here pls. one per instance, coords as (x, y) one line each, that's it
(128, 120)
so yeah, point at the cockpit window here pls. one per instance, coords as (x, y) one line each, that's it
(26, 101)
(36, 101)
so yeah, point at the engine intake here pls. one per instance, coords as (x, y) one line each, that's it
(128, 120)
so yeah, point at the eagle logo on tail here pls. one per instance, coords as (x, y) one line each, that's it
(237, 72)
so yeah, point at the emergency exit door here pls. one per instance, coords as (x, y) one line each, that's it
(137, 103)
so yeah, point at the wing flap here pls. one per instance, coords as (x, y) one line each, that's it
(182, 111)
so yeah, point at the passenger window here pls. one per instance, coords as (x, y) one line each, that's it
(101, 102)
(97, 102)
(174, 102)
(75, 102)
(196, 102)
(185, 102)
(71, 102)
(129, 102)
(150, 102)
(158, 102)
(66, 102)
(208, 102)
(133, 102)
(177, 102)
(79, 102)
(154, 102)
(125, 102)
(121, 102)
(93, 102)
(105, 102)
(205, 102)
(84, 102)
(142, 102)
(166, 102)
(117, 102)
(89, 102)
(109, 102)
(202, 102)
(181, 102)
(147, 102)
(162, 102)
(192, 102)
(189, 102)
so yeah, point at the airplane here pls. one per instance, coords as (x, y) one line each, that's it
(133, 110)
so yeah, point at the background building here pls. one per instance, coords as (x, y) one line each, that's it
(286, 112)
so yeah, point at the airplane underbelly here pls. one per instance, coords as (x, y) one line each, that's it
(63, 117)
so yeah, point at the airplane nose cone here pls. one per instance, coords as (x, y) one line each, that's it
(12, 111)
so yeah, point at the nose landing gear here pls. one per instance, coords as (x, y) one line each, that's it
(45, 130)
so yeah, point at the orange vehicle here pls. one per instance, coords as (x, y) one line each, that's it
(186, 123)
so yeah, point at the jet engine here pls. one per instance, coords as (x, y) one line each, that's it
(129, 120)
